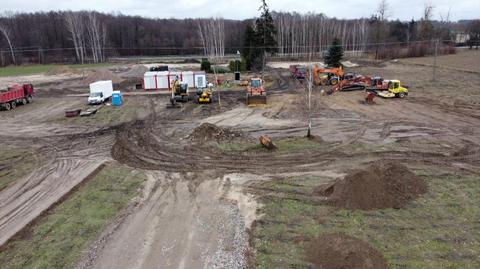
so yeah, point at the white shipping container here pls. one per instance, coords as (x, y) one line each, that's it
(164, 79)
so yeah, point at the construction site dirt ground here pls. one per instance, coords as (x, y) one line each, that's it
(224, 201)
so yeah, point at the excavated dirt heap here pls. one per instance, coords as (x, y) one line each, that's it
(211, 132)
(382, 185)
(62, 69)
(339, 251)
(98, 75)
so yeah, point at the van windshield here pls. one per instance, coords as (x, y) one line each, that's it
(96, 94)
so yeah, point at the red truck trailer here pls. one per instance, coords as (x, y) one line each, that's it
(298, 71)
(16, 94)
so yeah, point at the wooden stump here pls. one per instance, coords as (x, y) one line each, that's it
(267, 142)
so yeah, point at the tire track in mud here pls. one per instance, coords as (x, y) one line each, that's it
(66, 161)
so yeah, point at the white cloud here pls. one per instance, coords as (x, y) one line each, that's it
(241, 9)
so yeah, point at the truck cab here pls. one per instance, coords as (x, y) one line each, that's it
(395, 87)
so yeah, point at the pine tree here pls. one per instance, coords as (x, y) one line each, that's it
(250, 50)
(334, 54)
(260, 41)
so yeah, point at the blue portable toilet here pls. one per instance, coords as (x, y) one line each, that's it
(117, 99)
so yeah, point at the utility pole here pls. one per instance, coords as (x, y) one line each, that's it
(434, 78)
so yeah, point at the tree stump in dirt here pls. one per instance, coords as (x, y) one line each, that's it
(267, 142)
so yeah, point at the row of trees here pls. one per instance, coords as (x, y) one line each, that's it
(86, 32)
(92, 36)
(302, 34)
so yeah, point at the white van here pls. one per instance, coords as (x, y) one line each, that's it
(100, 92)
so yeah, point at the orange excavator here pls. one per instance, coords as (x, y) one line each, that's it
(327, 76)
(256, 93)
(352, 82)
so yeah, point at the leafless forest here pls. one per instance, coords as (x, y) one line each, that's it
(49, 37)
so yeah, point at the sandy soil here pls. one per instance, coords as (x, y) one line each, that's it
(184, 221)
(193, 211)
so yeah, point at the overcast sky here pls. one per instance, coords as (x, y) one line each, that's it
(241, 9)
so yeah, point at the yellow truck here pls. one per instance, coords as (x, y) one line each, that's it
(389, 88)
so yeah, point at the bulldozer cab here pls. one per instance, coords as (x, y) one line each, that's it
(256, 83)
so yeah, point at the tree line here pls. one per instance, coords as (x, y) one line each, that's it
(85, 36)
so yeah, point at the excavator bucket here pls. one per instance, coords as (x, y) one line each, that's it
(256, 100)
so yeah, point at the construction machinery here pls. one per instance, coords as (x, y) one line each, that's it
(204, 96)
(352, 82)
(298, 71)
(388, 88)
(256, 93)
(327, 76)
(179, 93)
(16, 94)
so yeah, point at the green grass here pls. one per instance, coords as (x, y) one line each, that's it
(439, 230)
(107, 115)
(15, 163)
(283, 145)
(23, 70)
(59, 239)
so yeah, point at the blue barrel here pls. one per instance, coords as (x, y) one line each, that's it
(117, 99)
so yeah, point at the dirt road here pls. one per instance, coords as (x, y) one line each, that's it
(183, 221)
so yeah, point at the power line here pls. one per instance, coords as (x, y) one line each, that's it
(30, 49)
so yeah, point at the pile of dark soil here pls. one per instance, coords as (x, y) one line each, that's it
(381, 185)
(339, 251)
(211, 132)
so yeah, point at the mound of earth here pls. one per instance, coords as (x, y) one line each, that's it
(339, 251)
(62, 69)
(211, 132)
(103, 74)
(382, 185)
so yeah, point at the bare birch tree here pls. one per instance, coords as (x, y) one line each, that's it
(212, 35)
(96, 33)
(76, 28)
(5, 31)
(294, 33)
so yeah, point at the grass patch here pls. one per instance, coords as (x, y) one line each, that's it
(58, 239)
(24, 70)
(15, 163)
(107, 115)
(283, 145)
(439, 230)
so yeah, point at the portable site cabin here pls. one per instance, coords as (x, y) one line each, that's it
(164, 79)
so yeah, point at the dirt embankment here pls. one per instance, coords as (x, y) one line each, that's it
(381, 185)
(98, 75)
(339, 251)
(207, 132)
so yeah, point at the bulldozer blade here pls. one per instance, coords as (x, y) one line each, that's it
(257, 100)
(173, 106)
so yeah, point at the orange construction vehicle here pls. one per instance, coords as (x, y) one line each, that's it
(327, 76)
(352, 82)
(256, 93)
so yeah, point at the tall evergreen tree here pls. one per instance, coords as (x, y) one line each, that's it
(250, 50)
(260, 41)
(334, 54)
